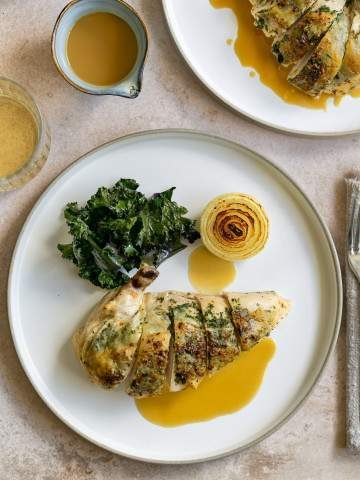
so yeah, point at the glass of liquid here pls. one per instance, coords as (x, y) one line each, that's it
(24, 136)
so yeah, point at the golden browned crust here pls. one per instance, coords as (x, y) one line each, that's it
(306, 33)
(314, 73)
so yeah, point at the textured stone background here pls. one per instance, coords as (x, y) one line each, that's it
(34, 444)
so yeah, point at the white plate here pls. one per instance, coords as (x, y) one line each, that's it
(47, 300)
(200, 33)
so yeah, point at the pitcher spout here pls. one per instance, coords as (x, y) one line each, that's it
(129, 88)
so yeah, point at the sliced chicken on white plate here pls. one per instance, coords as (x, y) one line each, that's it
(256, 314)
(221, 339)
(304, 35)
(149, 374)
(106, 345)
(189, 357)
(171, 340)
(348, 77)
(276, 17)
(316, 70)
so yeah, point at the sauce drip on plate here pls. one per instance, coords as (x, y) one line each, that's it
(253, 50)
(208, 273)
(102, 48)
(18, 136)
(226, 392)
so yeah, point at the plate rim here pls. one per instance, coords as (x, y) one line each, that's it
(232, 106)
(237, 146)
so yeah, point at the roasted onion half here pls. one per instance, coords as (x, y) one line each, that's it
(234, 226)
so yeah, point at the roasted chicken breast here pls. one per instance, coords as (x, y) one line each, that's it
(348, 77)
(316, 70)
(307, 32)
(171, 340)
(319, 39)
(107, 343)
(277, 16)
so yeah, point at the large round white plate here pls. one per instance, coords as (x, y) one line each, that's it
(48, 301)
(200, 33)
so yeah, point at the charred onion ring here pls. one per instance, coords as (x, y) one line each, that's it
(234, 226)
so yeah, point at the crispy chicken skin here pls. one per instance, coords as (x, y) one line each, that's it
(149, 374)
(156, 342)
(222, 343)
(107, 343)
(307, 32)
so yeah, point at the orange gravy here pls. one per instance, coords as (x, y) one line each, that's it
(226, 392)
(253, 50)
(208, 273)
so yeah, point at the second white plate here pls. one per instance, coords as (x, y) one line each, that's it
(47, 300)
(200, 32)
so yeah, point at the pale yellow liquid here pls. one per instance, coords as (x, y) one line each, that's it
(208, 273)
(18, 136)
(229, 390)
(102, 48)
(254, 50)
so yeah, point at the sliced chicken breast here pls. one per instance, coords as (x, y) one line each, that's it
(222, 344)
(348, 77)
(317, 69)
(107, 343)
(256, 314)
(149, 374)
(189, 351)
(306, 33)
(274, 18)
(129, 335)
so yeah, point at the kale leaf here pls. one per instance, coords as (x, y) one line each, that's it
(119, 228)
